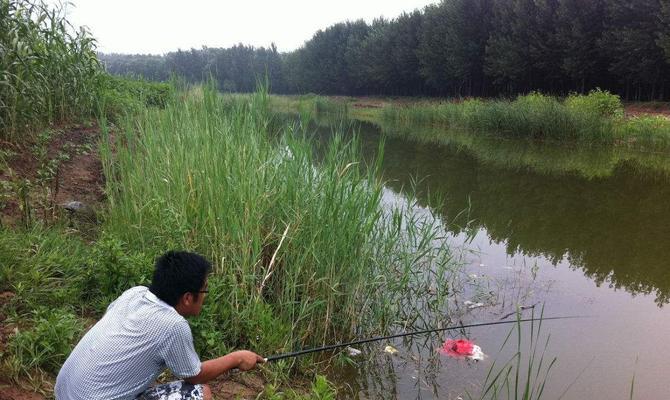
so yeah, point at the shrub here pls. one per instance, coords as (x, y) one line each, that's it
(121, 95)
(111, 269)
(599, 102)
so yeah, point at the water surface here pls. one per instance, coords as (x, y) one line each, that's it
(578, 229)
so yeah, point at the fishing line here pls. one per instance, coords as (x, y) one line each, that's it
(378, 338)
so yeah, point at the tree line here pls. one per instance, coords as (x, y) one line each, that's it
(453, 48)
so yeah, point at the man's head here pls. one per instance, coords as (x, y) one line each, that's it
(180, 278)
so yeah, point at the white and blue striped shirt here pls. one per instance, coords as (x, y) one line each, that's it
(123, 354)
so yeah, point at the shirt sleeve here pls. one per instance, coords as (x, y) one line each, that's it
(178, 352)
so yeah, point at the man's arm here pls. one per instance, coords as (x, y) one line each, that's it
(243, 360)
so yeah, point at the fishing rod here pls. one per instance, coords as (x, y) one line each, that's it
(277, 357)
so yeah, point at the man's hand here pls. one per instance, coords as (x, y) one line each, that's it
(247, 359)
(244, 360)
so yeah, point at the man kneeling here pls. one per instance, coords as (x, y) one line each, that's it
(144, 332)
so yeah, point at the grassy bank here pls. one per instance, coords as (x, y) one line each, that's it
(304, 253)
(596, 117)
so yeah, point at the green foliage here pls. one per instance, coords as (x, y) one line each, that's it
(48, 340)
(598, 102)
(120, 96)
(597, 116)
(453, 48)
(321, 390)
(110, 270)
(236, 69)
(48, 73)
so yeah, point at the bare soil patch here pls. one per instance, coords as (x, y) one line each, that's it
(238, 386)
(13, 392)
(79, 178)
(651, 108)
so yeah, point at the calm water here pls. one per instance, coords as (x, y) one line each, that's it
(581, 230)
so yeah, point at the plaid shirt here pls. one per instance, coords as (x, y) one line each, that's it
(123, 354)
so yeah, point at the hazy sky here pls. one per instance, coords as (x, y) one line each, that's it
(153, 26)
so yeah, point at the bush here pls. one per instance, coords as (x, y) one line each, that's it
(111, 269)
(599, 102)
(122, 95)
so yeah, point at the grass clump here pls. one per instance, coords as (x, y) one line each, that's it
(647, 129)
(46, 344)
(321, 389)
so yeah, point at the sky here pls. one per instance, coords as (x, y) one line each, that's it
(160, 26)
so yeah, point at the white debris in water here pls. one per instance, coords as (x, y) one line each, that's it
(390, 350)
(353, 352)
(472, 305)
(482, 265)
(472, 276)
(477, 354)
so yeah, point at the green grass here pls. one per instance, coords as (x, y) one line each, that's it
(120, 95)
(596, 117)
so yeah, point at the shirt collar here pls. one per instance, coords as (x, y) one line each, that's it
(154, 299)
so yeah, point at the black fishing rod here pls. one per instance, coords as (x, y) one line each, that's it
(378, 338)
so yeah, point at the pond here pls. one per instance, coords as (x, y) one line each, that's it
(576, 229)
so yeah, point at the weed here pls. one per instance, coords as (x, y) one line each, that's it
(46, 343)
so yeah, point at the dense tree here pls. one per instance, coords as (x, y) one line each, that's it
(663, 39)
(452, 48)
(579, 26)
(630, 44)
(521, 53)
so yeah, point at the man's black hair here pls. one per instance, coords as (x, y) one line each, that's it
(179, 272)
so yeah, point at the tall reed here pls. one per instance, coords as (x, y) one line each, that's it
(304, 252)
(48, 70)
